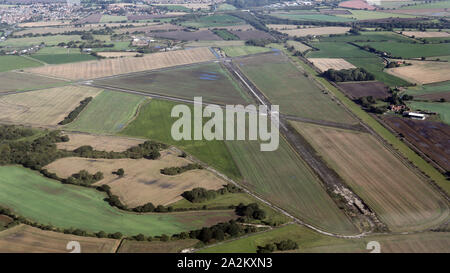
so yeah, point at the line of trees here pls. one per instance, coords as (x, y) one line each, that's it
(75, 112)
(182, 169)
(280, 246)
(199, 195)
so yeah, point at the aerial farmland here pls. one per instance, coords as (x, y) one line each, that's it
(224, 127)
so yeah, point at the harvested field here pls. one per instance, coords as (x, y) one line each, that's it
(298, 46)
(286, 85)
(156, 246)
(142, 182)
(251, 34)
(210, 81)
(426, 34)
(109, 112)
(422, 72)
(48, 201)
(356, 4)
(17, 81)
(300, 32)
(431, 138)
(43, 107)
(400, 198)
(422, 12)
(323, 64)
(27, 239)
(118, 54)
(150, 28)
(98, 142)
(109, 67)
(377, 90)
(188, 35)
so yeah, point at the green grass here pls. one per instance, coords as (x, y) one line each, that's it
(283, 178)
(433, 5)
(61, 57)
(216, 20)
(383, 132)
(108, 112)
(410, 50)
(374, 36)
(154, 122)
(311, 17)
(429, 89)
(285, 85)
(234, 51)
(442, 108)
(47, 201)
(16, 62)
(313, 242)
(112, 18)
(48, 40)
(210, 81)
(176, 8)
(226, 7)
(16, 81)
(370, 15)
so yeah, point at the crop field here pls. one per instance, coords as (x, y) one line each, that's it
(337, 50)
(283, 26)
(16, 62)
(156, 246)
(431, 91)
(371, 15)
(44, 24)
(422, 72)
(27, 239)
(301, 32)
(216, 20)
(235, 51)
(154, 122)
(284, 84)
(373, 173)
(410, 50)
(426, 34)
(442, 108)
(215, 43)
(98, 142)
(109, 67)
(356, 4)
(323, 64)
(302, 16)
(188, 35)
(148, 28)
(43, 107)
(112, 18)
(108, 112)
(117, 54)
(378, 90)
(63, 58)
(47, 201)
(142, 182)
(298, 46)
(373, 36)
(17, 81)
(283, 178)
(251, 34)
(429, 137)
(56, 30)
(210, 81)
(48, 40)
(313, 242)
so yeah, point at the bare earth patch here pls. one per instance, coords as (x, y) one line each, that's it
(142, 182)
(98, 142)
(422, 72)
(323, 64)
(299, 32)
(43, 107)
(110, 67)
(426, 34)
(26, 239)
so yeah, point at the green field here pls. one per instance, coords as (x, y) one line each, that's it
(442, 108)
(403, 50)
(313, 242)
(16, 81)
(47, 201)
(154, 122)
(112, 18)
(210, 81)
(16, 62)
(285, 85)
(374, 36)
(225, 7)
(311, 17)
(283, 178)
(216, 20)
(60, 55)
(433, 88)
(48, 40)
(234, 51)
(370, 15)
(176, 8)
(433, 5)
(108, 112)
(225, 34)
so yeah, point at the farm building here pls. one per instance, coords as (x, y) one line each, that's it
(414, 115)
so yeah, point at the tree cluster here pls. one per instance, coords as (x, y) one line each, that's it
(281, 246)
(345, 75)
(182, 169)
(250, 211)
